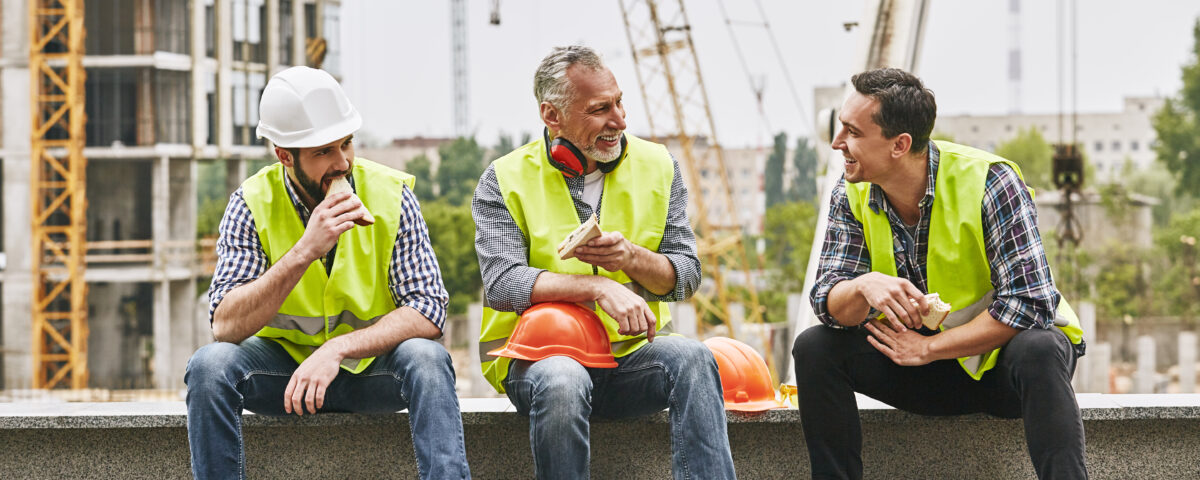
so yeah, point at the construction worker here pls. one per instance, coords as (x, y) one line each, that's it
(531, 199)
(913, 217)
(303, 326)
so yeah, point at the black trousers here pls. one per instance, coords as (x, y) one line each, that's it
(1031, 380)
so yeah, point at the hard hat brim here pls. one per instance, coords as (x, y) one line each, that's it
(312, 138)
(533, 354)
(758, 406)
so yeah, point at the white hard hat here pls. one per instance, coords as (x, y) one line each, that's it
(303, 107)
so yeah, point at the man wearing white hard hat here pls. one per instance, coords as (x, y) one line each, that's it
(322, 301)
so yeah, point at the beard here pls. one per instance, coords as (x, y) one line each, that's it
(311, 186)
(603, 156)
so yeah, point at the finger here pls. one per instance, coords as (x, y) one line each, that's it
(310, 400)
(906, 312)
(882, 348)
(331, 201)
(893, 320)
(298, 398)
(321, 395)
(651, 323)
(623, 325)
(287, 395)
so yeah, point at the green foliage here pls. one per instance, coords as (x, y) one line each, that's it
(211, 198)
(804, 184)
(1035, 156)
(1122, 283)
(452, 233)
(459, 170)
(1178, 281)
(788, 231)
(420, 167)
(773, 177)
(1178, 125)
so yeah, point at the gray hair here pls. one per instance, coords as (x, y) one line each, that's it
(550, 82)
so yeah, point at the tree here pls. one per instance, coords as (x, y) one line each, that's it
(420, 167)
(1035, 156)
(459, 170)
(1178, 125)
(773, 181)
(804, 183)
(452, 234)
(788, 233)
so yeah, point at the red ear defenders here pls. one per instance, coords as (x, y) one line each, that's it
(566, 157)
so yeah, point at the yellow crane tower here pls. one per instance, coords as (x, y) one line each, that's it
(58, 193)
(677, 106)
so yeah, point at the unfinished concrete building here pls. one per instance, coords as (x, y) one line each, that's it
(172, 88)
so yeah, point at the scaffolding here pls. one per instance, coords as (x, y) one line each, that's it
(59, 194)
(677, 104)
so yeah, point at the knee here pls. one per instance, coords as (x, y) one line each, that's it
(560, 383)
(810, 343)
(423, 359)
(1038, 352)
(691, 357)
(211, 363)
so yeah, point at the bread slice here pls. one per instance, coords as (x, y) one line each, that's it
(339, 185)
(938, 310)
(581, 235)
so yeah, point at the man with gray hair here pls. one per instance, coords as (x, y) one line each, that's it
(526, 202)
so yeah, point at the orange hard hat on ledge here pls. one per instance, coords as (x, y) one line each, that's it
(745, 380)
(559, 328)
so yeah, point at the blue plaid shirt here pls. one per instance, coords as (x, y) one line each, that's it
(1025, 294)
(415, 280)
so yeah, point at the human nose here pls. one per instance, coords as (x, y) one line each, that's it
(617, 121)
(839, 142)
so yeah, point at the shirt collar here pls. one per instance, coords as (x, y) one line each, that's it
(877, 200)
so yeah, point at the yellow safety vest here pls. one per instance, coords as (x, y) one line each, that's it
(356, 292)
(956, 263)
(636, 198)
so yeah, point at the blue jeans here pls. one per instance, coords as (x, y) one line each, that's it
(559, 395)
(224, 378)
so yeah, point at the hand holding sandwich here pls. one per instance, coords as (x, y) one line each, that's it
(332, 217)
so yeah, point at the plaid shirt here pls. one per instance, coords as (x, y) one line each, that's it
(414, 278)
(503, 249)
(1025, 294)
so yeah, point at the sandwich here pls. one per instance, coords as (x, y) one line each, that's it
(938, 310)
(339, 185)
(581, 235)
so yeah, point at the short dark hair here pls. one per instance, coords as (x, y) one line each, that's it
(905, 105)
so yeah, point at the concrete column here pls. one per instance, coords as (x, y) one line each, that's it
(160, 195)
(683, 319)
(271, 37)
(300, 35)
(235, 173)
(1101, 354)
(1143, 378)
(224, 14)
(161, 361)
(479, 386)
(199, 76)
(184, 339)
(1187, 362)
(15, 131)
(1087, 320)
(181, 206)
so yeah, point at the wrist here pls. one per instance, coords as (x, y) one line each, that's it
(333, 348)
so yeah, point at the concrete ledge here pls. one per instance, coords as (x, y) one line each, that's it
(1128, 436)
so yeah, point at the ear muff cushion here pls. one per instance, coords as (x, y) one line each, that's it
(567, 157)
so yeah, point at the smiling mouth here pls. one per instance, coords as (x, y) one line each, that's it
(609, 138)
(850, 161)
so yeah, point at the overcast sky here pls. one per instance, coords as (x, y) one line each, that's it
(397, 56)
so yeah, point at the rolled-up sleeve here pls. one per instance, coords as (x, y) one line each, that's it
(502, 249)
(415, 277)
(679, 244)
(844, 255)
(1025, 293)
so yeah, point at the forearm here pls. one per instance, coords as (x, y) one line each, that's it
(652, 270)
(982, 334)
(391, 330)
(559, 287)
(846, 304)
(248, 308)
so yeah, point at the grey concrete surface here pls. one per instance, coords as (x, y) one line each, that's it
(1129, 436)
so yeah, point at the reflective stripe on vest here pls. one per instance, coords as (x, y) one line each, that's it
(635, 202)
(956, 264)
(356, 292)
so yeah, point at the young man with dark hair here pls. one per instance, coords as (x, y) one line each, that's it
(914, 217)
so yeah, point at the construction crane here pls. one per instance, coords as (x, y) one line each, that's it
(677, 106)
(458, 50)
(59, 193)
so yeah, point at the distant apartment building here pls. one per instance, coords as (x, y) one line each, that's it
(171, 85)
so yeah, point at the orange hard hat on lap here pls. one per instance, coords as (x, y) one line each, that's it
(744, 376)
(559, 328)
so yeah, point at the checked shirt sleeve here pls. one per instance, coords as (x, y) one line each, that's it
(844, 255)
(1025, 293)
(415, 277)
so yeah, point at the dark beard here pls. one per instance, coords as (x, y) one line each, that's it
(310, 186)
